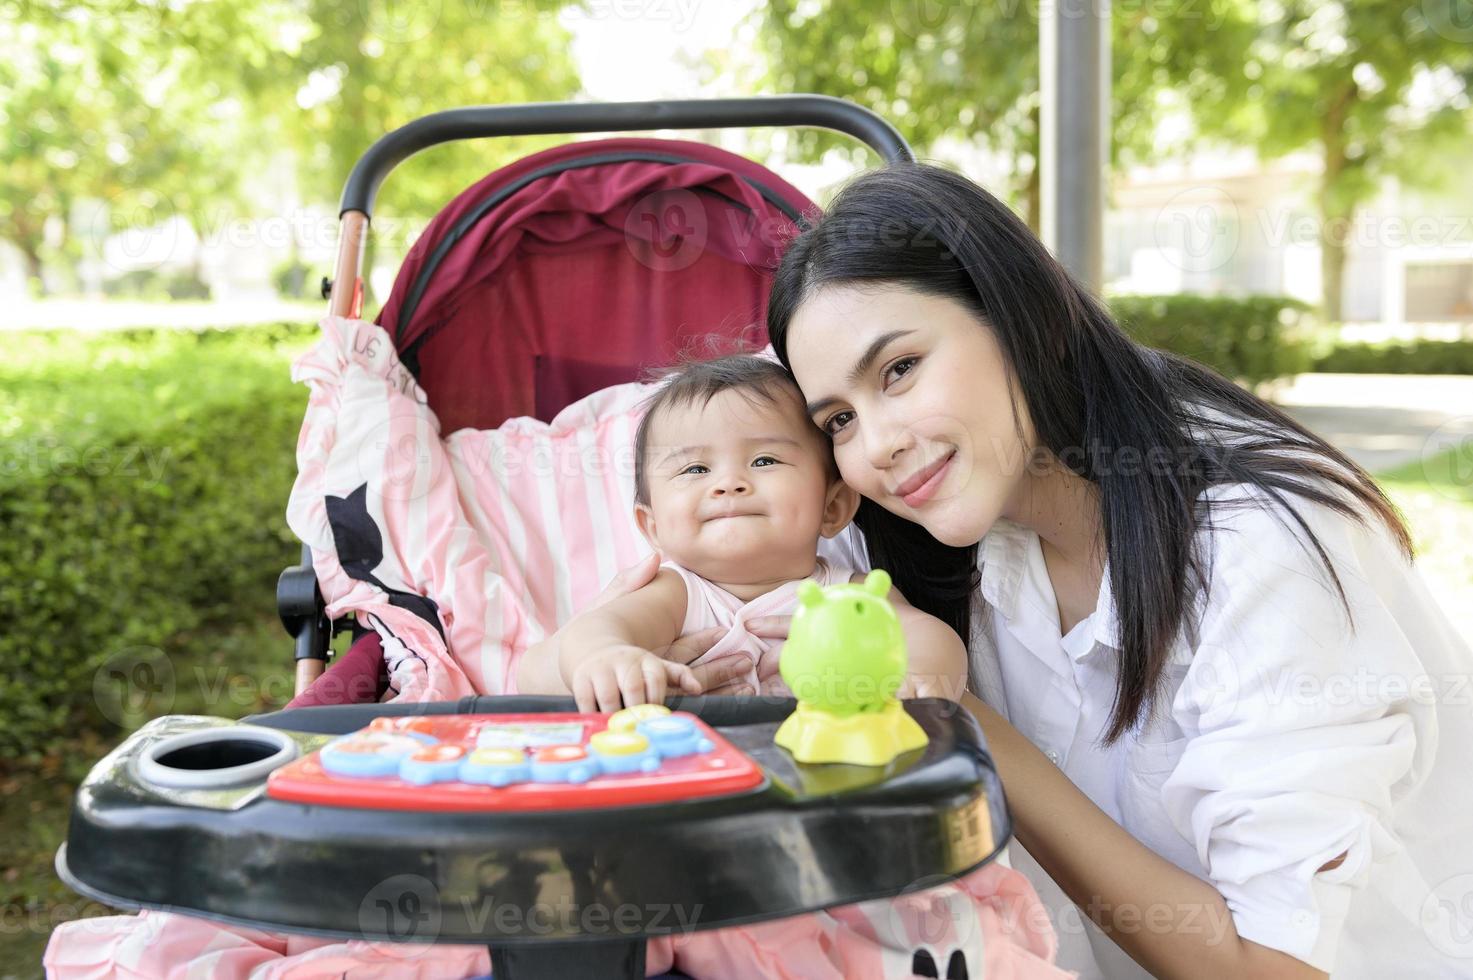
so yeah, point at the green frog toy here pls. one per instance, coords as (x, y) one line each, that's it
(844, 660)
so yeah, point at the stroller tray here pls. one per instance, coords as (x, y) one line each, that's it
(306, 849)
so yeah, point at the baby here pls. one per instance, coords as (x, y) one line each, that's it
(733, 486)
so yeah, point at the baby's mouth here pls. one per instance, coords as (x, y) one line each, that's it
(731, 513)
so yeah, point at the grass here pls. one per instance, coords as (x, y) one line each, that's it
(1436, 496)
(234, 672)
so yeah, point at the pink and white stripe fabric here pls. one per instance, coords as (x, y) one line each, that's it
(509, 531)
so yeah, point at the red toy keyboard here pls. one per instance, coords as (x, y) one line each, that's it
(640, 755)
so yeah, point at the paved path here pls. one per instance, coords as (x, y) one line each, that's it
(1383, 420)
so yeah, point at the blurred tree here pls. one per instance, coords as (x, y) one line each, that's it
(969, 71)
(148, 110)
(174, 107)
(1376, 88)
(369, 66)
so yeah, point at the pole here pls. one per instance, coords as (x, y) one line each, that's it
(1074, 84)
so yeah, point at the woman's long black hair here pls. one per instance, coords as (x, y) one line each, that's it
(1091, 392)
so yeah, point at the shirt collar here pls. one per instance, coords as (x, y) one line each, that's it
(1003, 557)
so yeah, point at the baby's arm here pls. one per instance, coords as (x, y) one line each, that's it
(604, 655)
(937, 656)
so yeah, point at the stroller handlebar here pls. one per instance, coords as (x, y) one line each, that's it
(544, 118)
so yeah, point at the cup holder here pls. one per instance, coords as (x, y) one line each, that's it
(215, 757)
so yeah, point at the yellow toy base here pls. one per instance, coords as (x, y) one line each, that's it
(866, 738)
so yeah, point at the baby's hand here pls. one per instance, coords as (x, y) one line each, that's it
(624, 675)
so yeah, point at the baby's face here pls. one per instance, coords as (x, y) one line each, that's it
(740, 489)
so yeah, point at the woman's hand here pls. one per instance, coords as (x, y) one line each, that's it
(767, 627)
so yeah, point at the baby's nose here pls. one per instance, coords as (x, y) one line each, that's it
(735, 485)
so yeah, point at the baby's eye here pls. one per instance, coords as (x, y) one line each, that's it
(832, 424)
(768, 460)
(905, 362)
(696, 468)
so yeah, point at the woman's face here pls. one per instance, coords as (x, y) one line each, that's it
(915, 393)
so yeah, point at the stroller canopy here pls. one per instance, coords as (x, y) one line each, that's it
(581, 266)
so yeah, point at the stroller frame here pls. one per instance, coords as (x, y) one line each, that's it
(299, 601)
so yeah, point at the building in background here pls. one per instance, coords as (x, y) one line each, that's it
(1224, 223)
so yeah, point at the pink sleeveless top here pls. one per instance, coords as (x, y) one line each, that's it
(708, 605)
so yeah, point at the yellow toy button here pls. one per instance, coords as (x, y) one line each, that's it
(498, 757)
(624, 721)
(619, 743)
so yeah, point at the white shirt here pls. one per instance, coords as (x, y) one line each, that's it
(1283, 739)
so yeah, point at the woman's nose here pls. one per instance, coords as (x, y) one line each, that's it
(884, 443)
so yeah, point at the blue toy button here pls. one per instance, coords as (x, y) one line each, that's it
(675, 736)
(432, 764)
(364, 755)
(624, 752)
(563, 764)
(496, 767)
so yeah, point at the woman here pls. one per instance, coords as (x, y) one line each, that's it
(1233, 726)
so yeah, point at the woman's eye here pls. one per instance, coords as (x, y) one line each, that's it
(907, 363)
(833, 425)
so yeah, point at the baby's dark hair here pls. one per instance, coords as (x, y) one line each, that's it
(696, 382)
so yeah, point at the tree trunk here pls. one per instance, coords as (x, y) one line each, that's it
(1336, 211)
(33, 266)
(1033, 192)
(26, 236)
(1332, 267)
(1335, 226)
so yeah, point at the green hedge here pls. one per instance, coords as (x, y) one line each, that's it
(1251, 339)
(143, 485)
(1414, 357)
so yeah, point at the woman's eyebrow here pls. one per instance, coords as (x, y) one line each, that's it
(861, 366)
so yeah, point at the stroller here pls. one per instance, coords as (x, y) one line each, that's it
(546, 286)
(668, 231)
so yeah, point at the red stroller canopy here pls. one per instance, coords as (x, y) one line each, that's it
(582, 266)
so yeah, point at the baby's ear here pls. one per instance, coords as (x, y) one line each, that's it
(839, 508)
(644, 519)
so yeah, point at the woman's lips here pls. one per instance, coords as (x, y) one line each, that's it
(919, 488)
